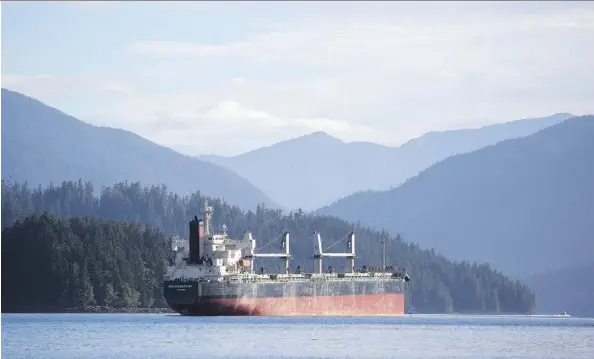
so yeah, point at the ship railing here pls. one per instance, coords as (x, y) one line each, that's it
(281, 277)
(323, 275)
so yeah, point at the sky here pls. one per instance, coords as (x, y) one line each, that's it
(228, 77)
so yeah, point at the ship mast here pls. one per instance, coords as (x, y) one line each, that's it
(384, 254)
(207, 218)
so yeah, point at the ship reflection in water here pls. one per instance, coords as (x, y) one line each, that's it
(213, 274)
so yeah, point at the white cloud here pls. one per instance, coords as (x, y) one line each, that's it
(458, 66)
(224, 128)
(382, 72)
(394, 46)
(190, 122)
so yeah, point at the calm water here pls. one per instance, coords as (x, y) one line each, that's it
(129, 336)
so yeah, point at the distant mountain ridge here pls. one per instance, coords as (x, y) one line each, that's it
(524, 205)
(41, 144)
(314, 170)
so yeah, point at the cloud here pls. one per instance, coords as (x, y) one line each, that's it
(372, 42)
(224, 128)
(368, 63)
(191, 122)
(382, 72)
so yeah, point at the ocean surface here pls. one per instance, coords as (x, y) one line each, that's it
(162, 336)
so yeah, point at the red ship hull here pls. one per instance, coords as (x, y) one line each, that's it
(391, 304)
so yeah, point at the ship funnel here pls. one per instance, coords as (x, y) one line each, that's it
(195, 229)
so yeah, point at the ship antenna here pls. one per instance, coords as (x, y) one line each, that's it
(208, 210)
(384, 254)
(409, 301)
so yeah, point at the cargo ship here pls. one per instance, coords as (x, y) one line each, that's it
(212, 274)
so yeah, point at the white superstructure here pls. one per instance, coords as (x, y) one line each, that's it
(222, 257)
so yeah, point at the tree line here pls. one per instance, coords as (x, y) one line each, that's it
(109, 248)
(52, 264)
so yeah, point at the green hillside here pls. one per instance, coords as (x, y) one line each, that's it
(111, 250)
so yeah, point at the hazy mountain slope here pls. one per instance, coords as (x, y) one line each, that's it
(570, 290)
(524, 205)
(309, 171)
(420, 153)
(314, 170)
(40, 145)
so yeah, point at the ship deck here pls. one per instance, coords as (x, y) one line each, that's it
(305, 277)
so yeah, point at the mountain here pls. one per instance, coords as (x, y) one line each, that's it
(570, 289)
(73, 262)
(309, 171)
(524, 205)
(313, 170)
(41, 145)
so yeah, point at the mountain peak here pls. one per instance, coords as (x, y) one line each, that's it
(319, 136)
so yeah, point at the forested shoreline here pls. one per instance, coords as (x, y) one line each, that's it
(64, 247)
